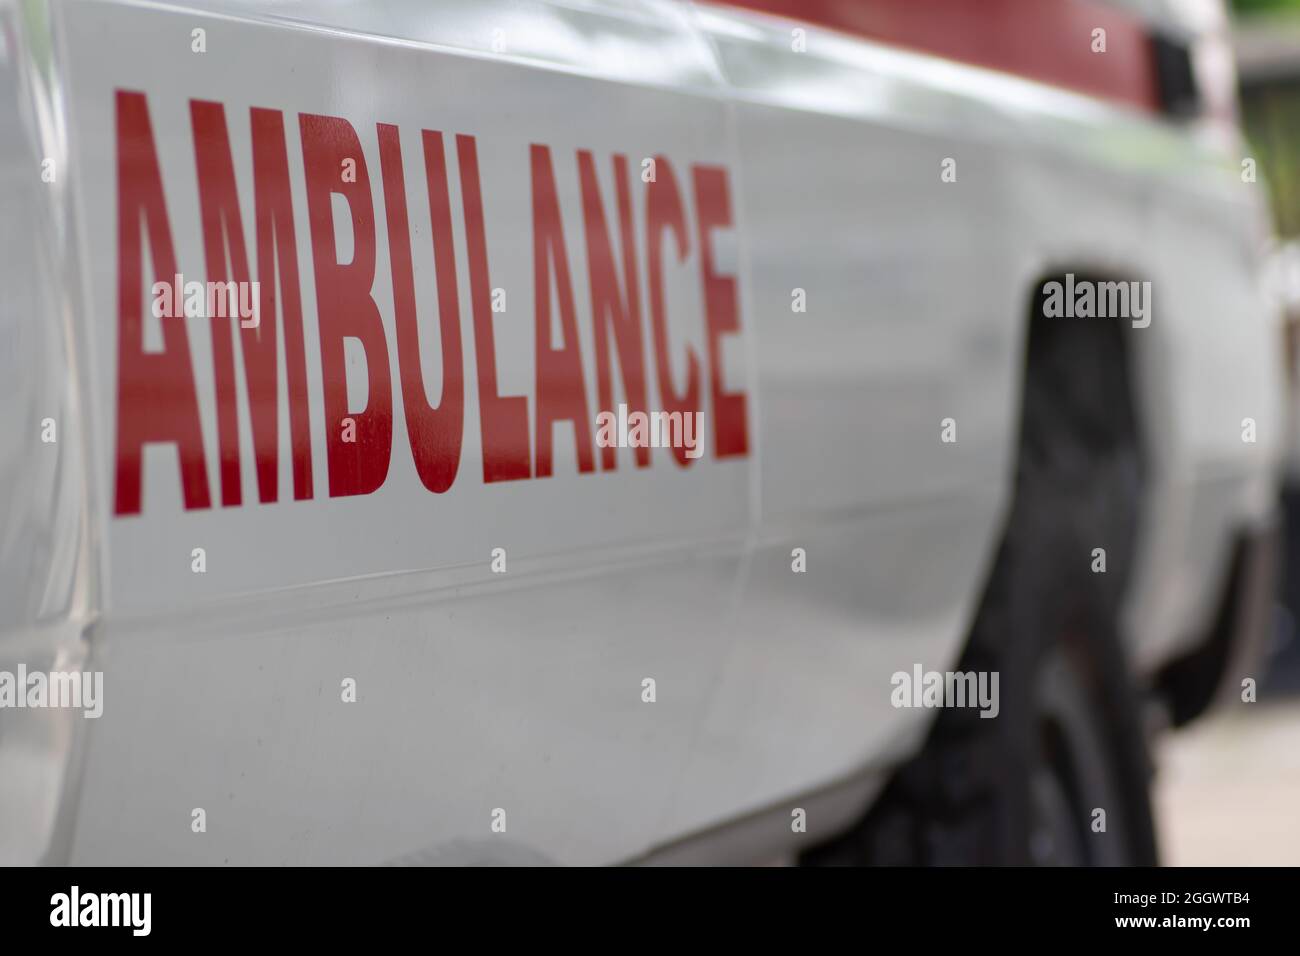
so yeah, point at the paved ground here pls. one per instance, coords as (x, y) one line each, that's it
(1228, 789)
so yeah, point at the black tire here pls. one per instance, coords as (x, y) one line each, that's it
(1023, 788)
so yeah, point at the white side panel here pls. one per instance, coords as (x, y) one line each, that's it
(910, 321)
(475, 690)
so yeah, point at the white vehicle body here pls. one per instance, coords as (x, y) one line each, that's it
(522, 691)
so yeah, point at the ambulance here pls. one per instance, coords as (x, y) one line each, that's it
(331, 333)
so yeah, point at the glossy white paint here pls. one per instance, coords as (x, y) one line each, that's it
(523, 690)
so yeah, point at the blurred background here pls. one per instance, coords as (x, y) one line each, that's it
(1228, 786)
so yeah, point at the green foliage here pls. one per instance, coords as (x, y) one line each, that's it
(1265, 6)
(1271, 116)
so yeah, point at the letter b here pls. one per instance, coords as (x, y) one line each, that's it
(346, 309)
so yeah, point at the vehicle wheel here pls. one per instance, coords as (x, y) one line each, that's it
(1025, 787)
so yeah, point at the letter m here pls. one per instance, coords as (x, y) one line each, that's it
(961, 689)
(226, 259)
(116, 909)
(1115, 297)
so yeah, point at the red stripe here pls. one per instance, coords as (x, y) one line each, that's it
(1045, 40)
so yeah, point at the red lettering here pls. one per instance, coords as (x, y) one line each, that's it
(561, 391)
(345, 307)
(712, 211)
(156, 398)
(435, 433)
(610, 310)
(503, 419)
(664, 212)
(222, 227)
